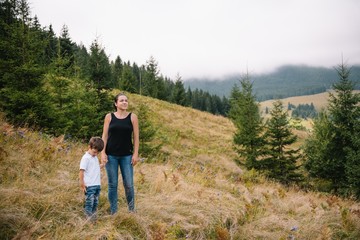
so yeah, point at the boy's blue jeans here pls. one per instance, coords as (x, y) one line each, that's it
(92, 201)
(112, 170)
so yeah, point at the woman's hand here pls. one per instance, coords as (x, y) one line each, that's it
(104, 159)
(134, 160)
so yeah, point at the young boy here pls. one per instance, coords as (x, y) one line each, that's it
(90, 176)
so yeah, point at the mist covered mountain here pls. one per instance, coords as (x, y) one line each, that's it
(286, 81)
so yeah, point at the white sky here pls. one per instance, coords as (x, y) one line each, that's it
(212, 38)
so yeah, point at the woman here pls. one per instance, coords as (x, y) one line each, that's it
(121, 141)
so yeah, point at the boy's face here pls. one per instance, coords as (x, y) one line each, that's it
(93, 152)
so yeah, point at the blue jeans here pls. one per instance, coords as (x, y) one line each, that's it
(127, 173)
(92, 201)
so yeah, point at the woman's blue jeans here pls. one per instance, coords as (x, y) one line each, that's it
(92, 201)
(127, 173)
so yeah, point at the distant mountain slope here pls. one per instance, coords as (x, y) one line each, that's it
(286, 81)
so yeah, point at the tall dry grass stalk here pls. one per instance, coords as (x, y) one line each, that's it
(197, 192)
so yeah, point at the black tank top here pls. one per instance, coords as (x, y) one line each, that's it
(119, 141)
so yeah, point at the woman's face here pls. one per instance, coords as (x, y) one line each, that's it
(122, 102)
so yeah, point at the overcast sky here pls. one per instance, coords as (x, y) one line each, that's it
(212, 38)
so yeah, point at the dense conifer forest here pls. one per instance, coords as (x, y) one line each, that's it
(50, 81)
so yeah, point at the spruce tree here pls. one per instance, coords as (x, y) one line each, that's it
(352, 167)
(51, 45)
(280, 162)
(100, 69)
(337, 159)
(244, 112)
(151, 78)
(23, 98)
(162, 94)
(178, 95)
(225, 106)
(149, 147)
(82, 63)
(344, 110)
(138, 73)
(86, 109)
(117, 68)
(127, 79)
(195, 99)
(318, 148)
(166, 93)
(57, 82)
(67, 47)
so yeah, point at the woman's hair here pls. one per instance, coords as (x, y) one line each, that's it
(117, 97)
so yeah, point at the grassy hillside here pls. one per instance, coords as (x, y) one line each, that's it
(198, 192)
(319, 100)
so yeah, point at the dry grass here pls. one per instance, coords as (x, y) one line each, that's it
(319, 100)
(198, 192)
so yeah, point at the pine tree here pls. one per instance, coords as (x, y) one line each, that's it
(281, 160)
(162, 94)
(127, 79)
(225, 106)
(117, 68)
(100, 69)
(318, 148)
(195, 99)
(67, 47)
(8, 52)
(82, 63)
(51, 45)
(57, 82)
(344, 109)
(189, 97)
(216, 104)
(148, 147)
(168, 89)
(235, 97)
(138, 73)
(178, 93)
(333, 150)
(150, 80)
(352, 167)
(23, 98)
(244, 112)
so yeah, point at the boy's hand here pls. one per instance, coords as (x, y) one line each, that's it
(81, 179)
(83, 187)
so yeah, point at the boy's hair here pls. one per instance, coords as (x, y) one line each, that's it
(96, 143)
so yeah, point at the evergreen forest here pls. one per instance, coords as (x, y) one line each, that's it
(303, 111)
(50, 82)
(329, 160)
